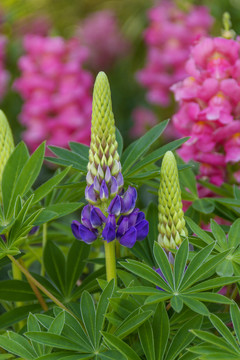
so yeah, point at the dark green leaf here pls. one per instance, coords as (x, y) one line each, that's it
(146, 338)
(89, 316)
(161, 331)
(113, 342)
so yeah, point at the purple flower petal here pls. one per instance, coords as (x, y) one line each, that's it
(115, 206)
(120, 180)
(129, 238)
(140, 217)
(100, 214)
(142, 229)
(104, 191)
(81, 232)
(96, 184)
(114, 186)
(109, 233)
(128, 200)
(95, 219)
(123, 227)
(33, 230)
(86, 212)
(107, 175)
(133, 217)
(90, 194)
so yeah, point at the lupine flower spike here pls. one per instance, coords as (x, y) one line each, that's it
(110, 213)
(171, 217)
(6, 145)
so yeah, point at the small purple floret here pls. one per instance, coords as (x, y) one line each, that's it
(115, 206)
(129, 238)
(81, 232)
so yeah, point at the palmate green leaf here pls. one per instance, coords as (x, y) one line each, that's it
(180, 263)
(147, 341)
(233, 235)
(21, 341)
(132, 322)
(212, 297)
(16, 290)
(5, 356)
(219, 235)
(235, 316)
(176, 303)
(161, 331)
(197, 230)
(11, 172)
(195, 305)
(224, 331)
(156, 155)
(89, 316)
(225, 268)
(56, 327)
(102, 309)
(33, 325)
(183, 338)
(55, 341)
(213, 284)
(196, 262)
(15, 315)
(204, 205)
(26, 177)
(54, 263)
(115, 343)
(146, 272)
(163, 263)
(75, 264)
(16, 348)
(140, 146)
(78, 162)
(205, 269)
(56, 211)
(80, 149)
(48, 186)
(215, 340)
(112, 355)
(63, 355)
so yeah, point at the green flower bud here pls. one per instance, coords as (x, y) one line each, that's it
(103, 148)
(6, 145)
(170, 214)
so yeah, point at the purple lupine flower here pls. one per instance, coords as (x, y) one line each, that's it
(123, 222)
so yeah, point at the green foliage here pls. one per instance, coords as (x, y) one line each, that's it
(180, 285)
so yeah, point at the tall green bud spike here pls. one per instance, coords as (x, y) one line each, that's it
(170, 214)
(104, 178)
(6, 145)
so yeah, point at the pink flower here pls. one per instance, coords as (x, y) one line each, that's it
(56, 91)
(209, 108)
(4, 75)
(100, 33)
(143, 119)
(169, 36)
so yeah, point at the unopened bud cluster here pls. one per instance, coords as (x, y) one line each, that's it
(171, 217)
(104, 178)
(6, 145)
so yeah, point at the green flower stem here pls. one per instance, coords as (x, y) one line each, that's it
(44, 242)
(110, 259)
(36, 285)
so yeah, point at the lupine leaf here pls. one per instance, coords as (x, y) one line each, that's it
(219, 235)
(131, 323)
(33, 325)
(195, 305)
(140, 146)
(146, 338)
(233, 235)
(89, 316)
(161, 331)
(180, 263)
(224, 331)
(197, 230)
(163, 263)
(177, 303)
(235, 316)
(183, 338)
(114, 342)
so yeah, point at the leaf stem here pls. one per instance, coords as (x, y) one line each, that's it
(110, 259)
(36, 285)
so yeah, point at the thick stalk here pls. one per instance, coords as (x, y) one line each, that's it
(110, 259)
(37, 284)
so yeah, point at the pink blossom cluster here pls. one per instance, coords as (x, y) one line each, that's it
(209, 108)
(56, 90)
(169, 36)
(4, 75)
(100, 33)
(143, 120)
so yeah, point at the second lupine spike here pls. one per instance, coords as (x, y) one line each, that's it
(104, 178)
(171, 217)
(6, 144)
